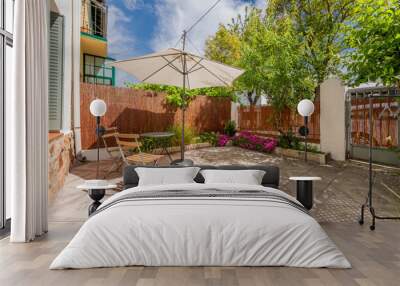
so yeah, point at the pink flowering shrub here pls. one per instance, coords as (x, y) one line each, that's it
(223, 140)
(253, 142)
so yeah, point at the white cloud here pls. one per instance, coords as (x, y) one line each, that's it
(172, 17)
(134, 4)
(176, 15)
(122, 77)
(120, 41)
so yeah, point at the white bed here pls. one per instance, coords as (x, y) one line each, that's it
(202, 231)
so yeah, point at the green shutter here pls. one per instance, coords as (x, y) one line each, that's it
(56, 78)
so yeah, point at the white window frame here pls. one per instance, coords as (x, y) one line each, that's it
(6, 39)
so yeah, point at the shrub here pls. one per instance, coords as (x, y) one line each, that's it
(253, 142)
(230, 128)
(149, 144)
(288, 140)
(223, 140)
(310, 148)
(210, 137)
(190, 135)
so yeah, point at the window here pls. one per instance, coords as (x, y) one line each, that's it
(94, 18)
(6, 43)
(95, 70)
(56, 72)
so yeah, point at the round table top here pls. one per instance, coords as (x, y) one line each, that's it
(158, 134)
(305, 178)
(96, 185)
(184, 163)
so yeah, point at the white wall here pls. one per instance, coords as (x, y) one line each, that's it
(235, 113)
(76, 115)
(70, 9)
(332, 119)
(9, 70)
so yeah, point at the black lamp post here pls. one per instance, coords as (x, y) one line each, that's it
(98, 108)
(96, 188)
(305, 109)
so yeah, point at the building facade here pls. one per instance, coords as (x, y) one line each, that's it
(94, 53)
(78, 53)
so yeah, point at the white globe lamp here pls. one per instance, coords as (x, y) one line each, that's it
(98, 107)
(305, 107)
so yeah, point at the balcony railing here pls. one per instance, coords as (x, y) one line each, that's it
(94, 18)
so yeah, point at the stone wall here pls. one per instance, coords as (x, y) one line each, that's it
(61, 155)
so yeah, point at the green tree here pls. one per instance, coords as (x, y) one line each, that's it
(319, 24)
(373, 39)
(227, 46)
(271, 56)
(224, 46)
(285, 78)
(251, 30)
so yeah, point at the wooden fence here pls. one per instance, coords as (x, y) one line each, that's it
(136, 111)
(260, 120)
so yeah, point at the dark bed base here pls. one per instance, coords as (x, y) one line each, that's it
(270, 179)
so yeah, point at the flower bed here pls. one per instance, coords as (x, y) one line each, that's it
(249, 141)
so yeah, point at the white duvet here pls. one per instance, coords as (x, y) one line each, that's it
(200, 231)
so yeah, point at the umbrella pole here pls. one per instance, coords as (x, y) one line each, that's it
(183, 136)
(183, 100)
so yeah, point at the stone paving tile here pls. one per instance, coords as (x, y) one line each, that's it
(337, 197)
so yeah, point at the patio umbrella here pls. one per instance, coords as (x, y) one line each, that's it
(179, 68)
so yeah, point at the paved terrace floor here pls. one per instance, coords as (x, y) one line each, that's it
(337, 197)
(375, 256)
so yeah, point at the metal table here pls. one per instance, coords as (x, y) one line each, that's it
(96, 190)
(163, 136)
(304, 190)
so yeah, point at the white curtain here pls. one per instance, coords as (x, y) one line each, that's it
(27, 131)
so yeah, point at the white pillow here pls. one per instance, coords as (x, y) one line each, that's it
(166, 176)
(247, 177)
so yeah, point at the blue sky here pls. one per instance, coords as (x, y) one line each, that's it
(137, 27)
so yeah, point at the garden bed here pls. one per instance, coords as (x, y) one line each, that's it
(290, 145)
(321, 158)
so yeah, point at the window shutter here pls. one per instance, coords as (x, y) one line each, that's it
(56, 60)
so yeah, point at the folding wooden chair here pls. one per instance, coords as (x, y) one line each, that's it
(129, 142)
(113, 152)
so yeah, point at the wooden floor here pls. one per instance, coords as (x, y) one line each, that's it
(375, 257)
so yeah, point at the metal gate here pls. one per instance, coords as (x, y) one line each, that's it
(385, 106)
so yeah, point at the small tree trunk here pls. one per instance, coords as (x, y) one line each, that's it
(252, 100)
(317, 92)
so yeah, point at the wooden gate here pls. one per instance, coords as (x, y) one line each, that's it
(385, 124)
